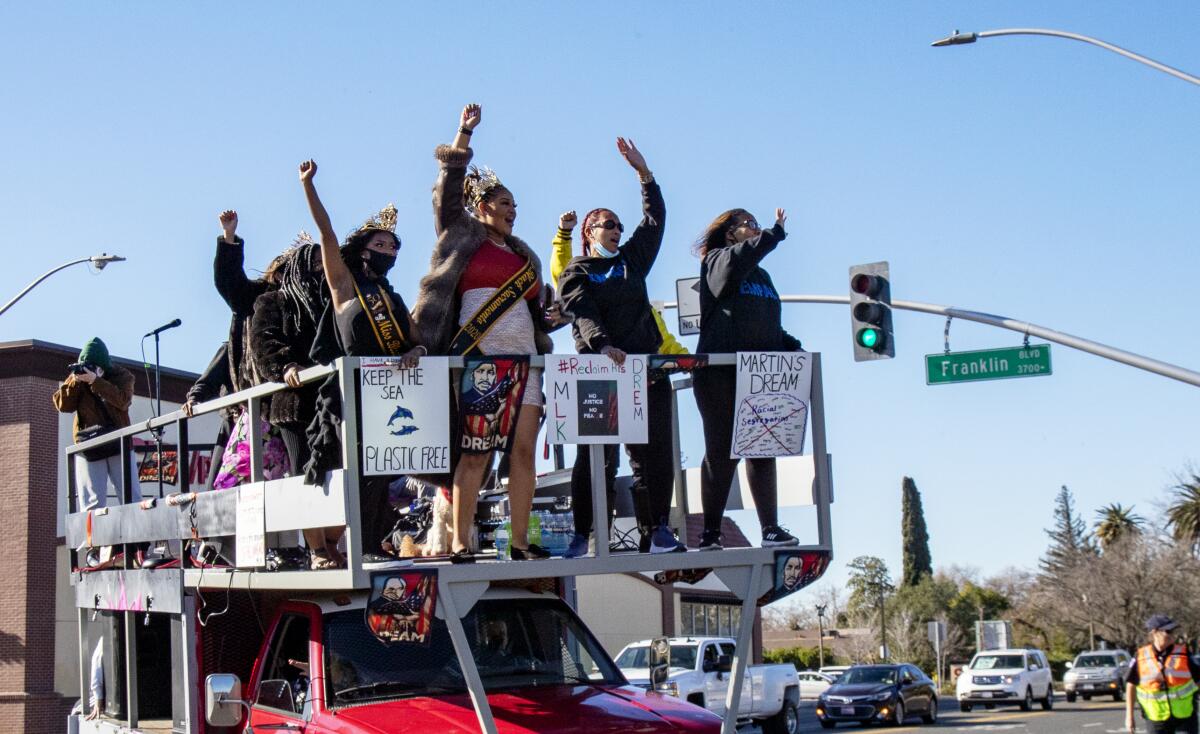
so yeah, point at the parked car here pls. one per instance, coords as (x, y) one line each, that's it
(699, 674)
(878, 693)
(1097, 673)
(813, 683)
(1006, 677)
(834, 671)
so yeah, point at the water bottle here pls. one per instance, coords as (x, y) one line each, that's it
(535, 527)
(501, 540)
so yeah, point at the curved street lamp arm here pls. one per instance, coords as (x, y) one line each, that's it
(101, 261)
(1139, 361)
(960, 38)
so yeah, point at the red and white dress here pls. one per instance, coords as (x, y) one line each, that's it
(492, 266)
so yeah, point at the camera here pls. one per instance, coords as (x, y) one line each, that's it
(78, 368)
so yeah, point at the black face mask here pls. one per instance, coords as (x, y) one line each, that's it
(380, 262)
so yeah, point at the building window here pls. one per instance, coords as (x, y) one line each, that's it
(709, 619)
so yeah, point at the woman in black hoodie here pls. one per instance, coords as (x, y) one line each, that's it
(604, 293)
(739, 311)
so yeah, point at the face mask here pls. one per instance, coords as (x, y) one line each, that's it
(599, 250)
(380, 262)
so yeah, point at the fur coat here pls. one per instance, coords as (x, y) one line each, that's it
(275, 344)
(459, 237)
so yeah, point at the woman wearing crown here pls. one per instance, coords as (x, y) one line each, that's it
(369, 319)
(481, 297)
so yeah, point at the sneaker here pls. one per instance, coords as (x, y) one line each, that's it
(710, 540)
(662, 540)
(577, 547)
(379, 562)
(774, 536)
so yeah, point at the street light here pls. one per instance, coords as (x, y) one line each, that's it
(957, 39)
(821, 635)
(99, 261)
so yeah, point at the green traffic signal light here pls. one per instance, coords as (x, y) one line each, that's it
(869, 338)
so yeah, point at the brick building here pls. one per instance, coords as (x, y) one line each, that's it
(39, 682)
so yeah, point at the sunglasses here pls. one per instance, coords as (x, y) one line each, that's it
(751, 223)
(609, 224)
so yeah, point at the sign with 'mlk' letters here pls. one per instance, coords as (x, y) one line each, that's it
(591, 399)
(771, 417)
(405, 416)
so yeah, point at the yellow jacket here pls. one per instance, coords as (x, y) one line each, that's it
(560, 255)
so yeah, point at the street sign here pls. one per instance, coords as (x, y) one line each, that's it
(987, 364)
(936, 632)
(687, 294)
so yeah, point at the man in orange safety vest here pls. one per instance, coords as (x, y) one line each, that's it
(1163, 681)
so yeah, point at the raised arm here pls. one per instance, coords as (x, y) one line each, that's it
(448, 189)
(229, 274)
(560, 246)
(729, 266)
(641, 250)
(341, 282)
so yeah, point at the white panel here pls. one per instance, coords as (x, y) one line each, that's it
(292, 504)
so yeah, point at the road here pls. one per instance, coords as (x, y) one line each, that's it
(1092, 717)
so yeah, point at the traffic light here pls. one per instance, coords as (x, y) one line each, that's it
(871, 312)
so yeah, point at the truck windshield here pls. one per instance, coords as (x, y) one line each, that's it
(989, 662)
(639, 657)
(515, 643)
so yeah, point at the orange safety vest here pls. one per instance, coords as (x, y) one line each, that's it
(1165, 691)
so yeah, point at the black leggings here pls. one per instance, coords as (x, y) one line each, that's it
(651, 465)
(1172, 726)
(715, 394)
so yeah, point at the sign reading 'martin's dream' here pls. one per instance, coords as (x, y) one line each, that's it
(987, 364)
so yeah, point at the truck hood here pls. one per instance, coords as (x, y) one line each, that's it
(539, 710)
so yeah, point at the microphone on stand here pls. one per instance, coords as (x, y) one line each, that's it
(163, 328)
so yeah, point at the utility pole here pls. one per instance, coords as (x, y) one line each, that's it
(883, 648)
(821, 636)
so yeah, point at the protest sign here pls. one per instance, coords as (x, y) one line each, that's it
(772, 404)
(251, 533)
(594, 400)
(405, 416)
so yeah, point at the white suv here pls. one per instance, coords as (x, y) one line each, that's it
(1006, 677)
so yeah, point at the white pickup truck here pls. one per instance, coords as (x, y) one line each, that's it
(699, 674)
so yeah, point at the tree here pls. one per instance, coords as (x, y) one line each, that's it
(869, 583)
(1116, 522)
(1183, 513)
(1069, 540)
(914, 535)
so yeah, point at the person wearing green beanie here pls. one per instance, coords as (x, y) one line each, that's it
(99, 393)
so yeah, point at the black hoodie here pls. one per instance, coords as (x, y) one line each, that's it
(739, 306)
(606, 296)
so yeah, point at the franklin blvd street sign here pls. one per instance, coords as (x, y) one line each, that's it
(987, 364)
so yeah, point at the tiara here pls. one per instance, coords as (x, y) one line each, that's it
(480, 182)
(303, 239)
(384, 221)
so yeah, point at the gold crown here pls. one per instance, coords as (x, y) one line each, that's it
(385, 220)
(480, 182)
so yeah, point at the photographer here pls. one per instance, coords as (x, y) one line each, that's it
(99, 394)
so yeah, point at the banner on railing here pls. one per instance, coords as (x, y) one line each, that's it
(772, 401)
(405, 416)
(591, 399)
(251, 550)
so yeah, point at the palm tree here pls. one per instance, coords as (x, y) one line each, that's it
(1183, 514)
(1117, 522)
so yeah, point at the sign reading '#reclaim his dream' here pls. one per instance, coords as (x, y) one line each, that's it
(405, 416)
(593, 400)
(773, 390)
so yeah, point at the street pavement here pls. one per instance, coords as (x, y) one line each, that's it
(1090, 717)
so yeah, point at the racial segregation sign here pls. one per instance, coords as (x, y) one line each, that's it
(594, 400)
(405, 416)
(400, 609)
(772, 404)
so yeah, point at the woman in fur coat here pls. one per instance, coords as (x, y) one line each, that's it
(476, 253)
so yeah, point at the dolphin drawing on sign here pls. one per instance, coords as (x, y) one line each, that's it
(401, 412)
(405, 430)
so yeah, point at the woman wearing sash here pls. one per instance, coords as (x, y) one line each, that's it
(740, 311)
(481, 297)
(370, 319)
(604, 294)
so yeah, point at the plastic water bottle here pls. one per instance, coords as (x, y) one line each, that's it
(501, 540)
(535, 527)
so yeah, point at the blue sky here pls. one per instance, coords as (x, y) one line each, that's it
(1038, 178)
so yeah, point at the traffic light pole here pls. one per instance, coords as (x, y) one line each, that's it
(1141, 362)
